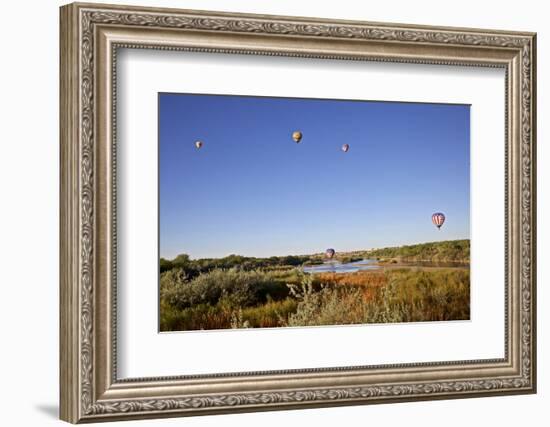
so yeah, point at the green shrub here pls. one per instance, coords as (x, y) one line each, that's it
(239, 288)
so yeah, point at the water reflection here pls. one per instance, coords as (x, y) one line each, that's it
(338, 267)
(372, 264)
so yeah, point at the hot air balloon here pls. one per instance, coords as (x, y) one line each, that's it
(438, 219)
(345, 148)
(297, 136)
(198, 144)
(330, 253)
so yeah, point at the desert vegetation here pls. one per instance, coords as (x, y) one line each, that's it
(245, 292)
(446, 251)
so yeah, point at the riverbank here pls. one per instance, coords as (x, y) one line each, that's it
(396, 263)
(424, 282)
(399, 266)
(224, 299)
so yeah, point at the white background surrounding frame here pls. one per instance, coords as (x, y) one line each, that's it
(29, 172)
(143, 352)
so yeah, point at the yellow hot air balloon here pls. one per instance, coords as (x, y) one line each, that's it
(297, 136)
(198, 144)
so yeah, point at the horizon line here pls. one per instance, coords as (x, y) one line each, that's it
(316, 253)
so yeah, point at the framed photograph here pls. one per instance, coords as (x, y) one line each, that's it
(266, 212)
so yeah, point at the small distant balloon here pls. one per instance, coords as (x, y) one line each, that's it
(345, 148)
(297, 136)
(330, 253)
(438, 219)
(198, 144)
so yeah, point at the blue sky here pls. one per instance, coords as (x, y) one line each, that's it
(251, 190)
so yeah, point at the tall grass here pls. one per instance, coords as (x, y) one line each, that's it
(235, 298)
(394, 296)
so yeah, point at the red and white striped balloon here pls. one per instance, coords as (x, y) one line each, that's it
(438, 219)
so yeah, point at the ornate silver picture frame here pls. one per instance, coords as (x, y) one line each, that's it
(91, 390)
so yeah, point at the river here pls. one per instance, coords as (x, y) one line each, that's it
(372, 264)
(338, 267)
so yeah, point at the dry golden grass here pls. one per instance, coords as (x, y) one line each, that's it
(368, 281)
(232, 299)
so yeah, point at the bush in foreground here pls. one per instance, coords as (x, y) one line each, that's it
(233, 298)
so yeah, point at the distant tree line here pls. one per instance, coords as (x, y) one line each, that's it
(193, 267)
(450, 250)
